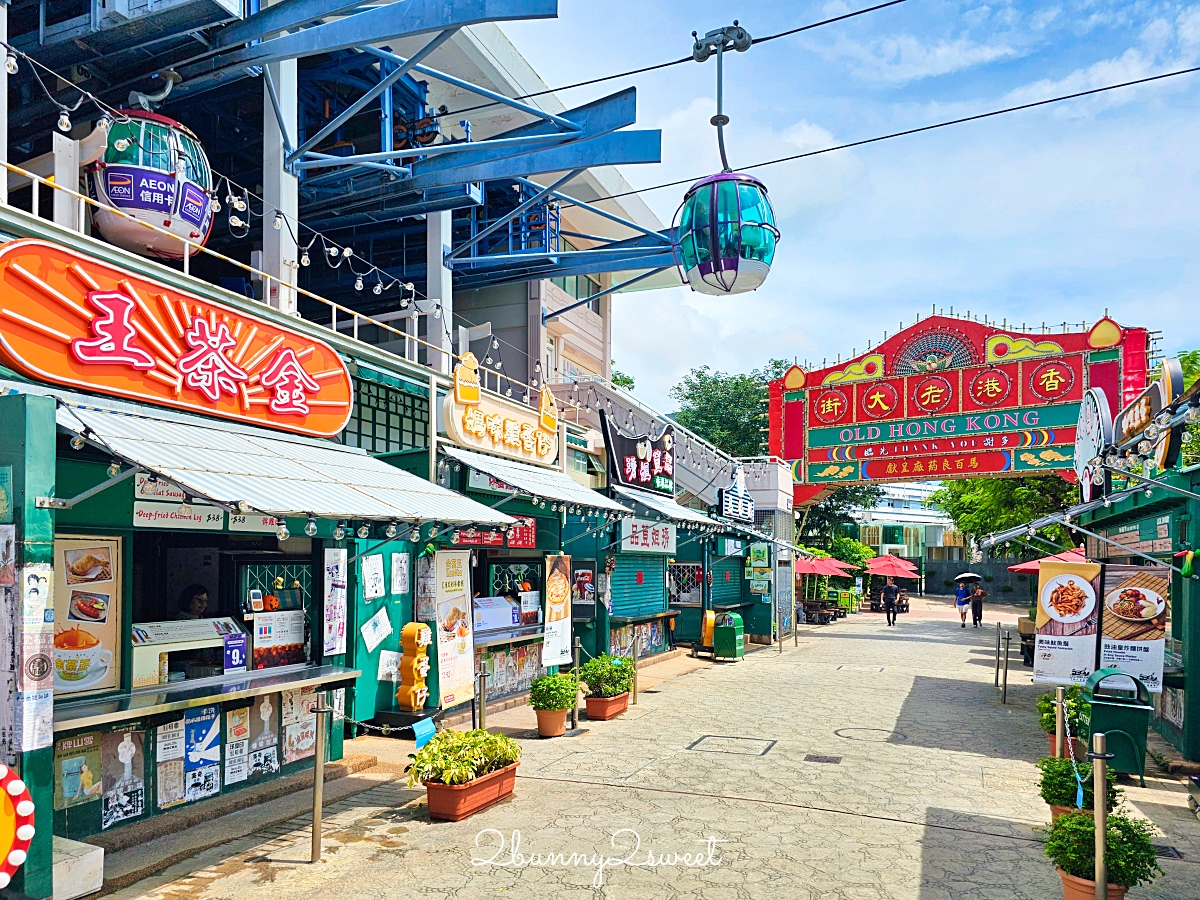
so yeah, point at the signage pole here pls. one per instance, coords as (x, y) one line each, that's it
(1100, 758)
(1004, 686)
(575, 705)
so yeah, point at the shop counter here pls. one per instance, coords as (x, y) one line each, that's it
(484, 639)
(71, 715)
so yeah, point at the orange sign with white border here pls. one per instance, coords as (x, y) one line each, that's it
(72, 320)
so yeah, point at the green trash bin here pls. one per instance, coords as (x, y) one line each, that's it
(729, 637)
(1118, 705)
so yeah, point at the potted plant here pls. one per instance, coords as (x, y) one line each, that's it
(1058, 786)
(464, 771)
(608, 680)
(551, 696)
(1128, 854)
(1074, 706)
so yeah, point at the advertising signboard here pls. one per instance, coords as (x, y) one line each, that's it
(1068, 617)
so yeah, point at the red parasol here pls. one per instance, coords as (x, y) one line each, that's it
(1033, 566)
(891, 567)
(809, 567)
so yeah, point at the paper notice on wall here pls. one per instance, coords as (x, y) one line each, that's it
(400, 563)
(335, 602)
(389, 665)
(34, 720)
(375, 629)
(372, 576)
(170, 741)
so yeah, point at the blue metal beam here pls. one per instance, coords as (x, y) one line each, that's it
(283, 16)
(616, 149)
(547, 316)
(605, 214)
(510, 215)
(372, 25)
(474, 278)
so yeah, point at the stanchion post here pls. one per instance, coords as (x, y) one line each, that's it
(633, 695)
(1004, 686)
(795, 626)
(1100, 757)
(575, 705)
(779, 622)
(1060, 700)
(997, 654)
(320, 711)
(482, 695)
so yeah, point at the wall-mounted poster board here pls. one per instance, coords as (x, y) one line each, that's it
(87, 614)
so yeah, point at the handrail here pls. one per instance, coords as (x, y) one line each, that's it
(191, 247)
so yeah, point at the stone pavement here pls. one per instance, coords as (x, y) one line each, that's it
(868, 762)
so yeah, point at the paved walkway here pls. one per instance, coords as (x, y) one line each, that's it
(868, 762)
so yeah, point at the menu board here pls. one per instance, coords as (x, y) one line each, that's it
(87, 613)
(1068, 617)
(278, 638)
(1133, 629)
(556, 646)
(455, 648)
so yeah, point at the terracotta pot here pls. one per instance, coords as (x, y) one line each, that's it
(1083, 889)
(551, 722)
(1075, 744)
(603, 708)
(1056, 811)
(454, 802)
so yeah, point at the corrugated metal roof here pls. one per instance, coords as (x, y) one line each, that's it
(273, 474)
(666, 506)
(548, 483)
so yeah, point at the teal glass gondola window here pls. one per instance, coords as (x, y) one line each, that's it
(757, 242)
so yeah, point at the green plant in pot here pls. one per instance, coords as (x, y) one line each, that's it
(609, 680)
(464, 771)
(1128, 854)
(1058, 787)
(551, 696)
(1074, 708)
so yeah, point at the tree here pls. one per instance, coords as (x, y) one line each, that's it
(620, 379)
(819, 522)
(1189, 361)
(726, 410)
(983, 506)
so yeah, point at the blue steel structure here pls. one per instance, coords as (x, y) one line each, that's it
(370, 154)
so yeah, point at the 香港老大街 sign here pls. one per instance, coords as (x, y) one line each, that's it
(72, 320)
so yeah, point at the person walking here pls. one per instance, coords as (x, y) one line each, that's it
(962, 601)
(977, 597)
(890, 595)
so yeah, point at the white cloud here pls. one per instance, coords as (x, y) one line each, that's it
(905, 58)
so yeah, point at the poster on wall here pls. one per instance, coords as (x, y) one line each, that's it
(237, 745)
(335, 602)
(202, 753)
(1068, 618)
(299, 723)
(168, 757)
(456, 651)
(86, 586)
(425, 606)
(556, 645)
(77, 770)
(278, 638)
(264, 736)
(1133, 621)
(372, 576)
(124, 776)
(8, 552)
(400, 574)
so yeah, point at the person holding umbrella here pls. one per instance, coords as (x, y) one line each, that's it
(963, 595)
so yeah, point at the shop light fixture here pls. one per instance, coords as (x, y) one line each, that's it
(77, 443)
(10, 64)
(364, 530)
(278, 221)
(311, 528)
(390, 531)
(243, 506)
(1149, 492)
(340, 531)
(1193, 413)
(282, 533)
(304, 258)
(114, 469)
(185, 508)
(64, 122)
(1144, 446)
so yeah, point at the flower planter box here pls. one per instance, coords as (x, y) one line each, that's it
(601, 709)
(551, 722)
(1082, 889)
(455, 802)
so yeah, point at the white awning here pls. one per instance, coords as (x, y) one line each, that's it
(275, 474)
(548, 483)
(665, 506)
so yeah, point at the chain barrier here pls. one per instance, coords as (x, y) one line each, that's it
(1069, 749)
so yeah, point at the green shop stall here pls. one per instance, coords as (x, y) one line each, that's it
(511, 603)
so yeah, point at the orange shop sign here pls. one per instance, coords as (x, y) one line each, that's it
(483, 421)
(72, 320)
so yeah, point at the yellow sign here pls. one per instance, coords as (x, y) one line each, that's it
(415, 639)
(493, 424)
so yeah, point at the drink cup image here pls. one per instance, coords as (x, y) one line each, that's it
(77, 653)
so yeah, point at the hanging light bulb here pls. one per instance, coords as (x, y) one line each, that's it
(437, 313)
(378, 289)
(10, 64)
(239, 204)
(1152, 431)
(364, 530)
(358, 284)
(77, 443)
(347, 252)
(311, 527)
(304, 260)
(235, 222)
(122, 145)
(64, 121)
(1107, 503)
(1193, 413)
(1144, 447)
(1149, 492)
(216, 204)
(404, 301)
(1163, 419)
(185, 508)
(1110, 460)
(495, 344)
(1097, 478)
(283, 532)
(415, 314)
(333, 251)
(1186, 437)
(390, 531)
(487, 360)
(340, 531)
(508, 393)
(278, 221)
(114, 469)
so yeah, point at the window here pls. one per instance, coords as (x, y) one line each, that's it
(194, 166)
(124, 131)
(385, 420)
(579, 461)
(156, 147)
(550, 361)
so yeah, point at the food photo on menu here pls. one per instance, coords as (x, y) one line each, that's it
(87, 565)
(558, 588)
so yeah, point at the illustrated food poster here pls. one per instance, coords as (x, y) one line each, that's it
(237, 745)
(455, 645)
(556, 647)
(1068, 616)
(1134, 616)
(87, 603)
(77, 770)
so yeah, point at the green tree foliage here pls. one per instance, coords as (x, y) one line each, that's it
(1189, 361)
(727, 410)
(818, 523)
(620, 379)
(983, 506)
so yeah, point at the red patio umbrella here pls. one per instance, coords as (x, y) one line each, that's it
(891, 567)
(1033, 566)
(808, 567)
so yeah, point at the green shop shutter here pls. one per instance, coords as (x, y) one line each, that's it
(632, 599)
(727, 591)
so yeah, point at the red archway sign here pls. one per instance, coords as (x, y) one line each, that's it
(16, 824)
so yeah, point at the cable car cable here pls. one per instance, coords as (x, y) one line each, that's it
(911, 131)
(674, 62)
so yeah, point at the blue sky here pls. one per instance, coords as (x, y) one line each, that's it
(1048, 215)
